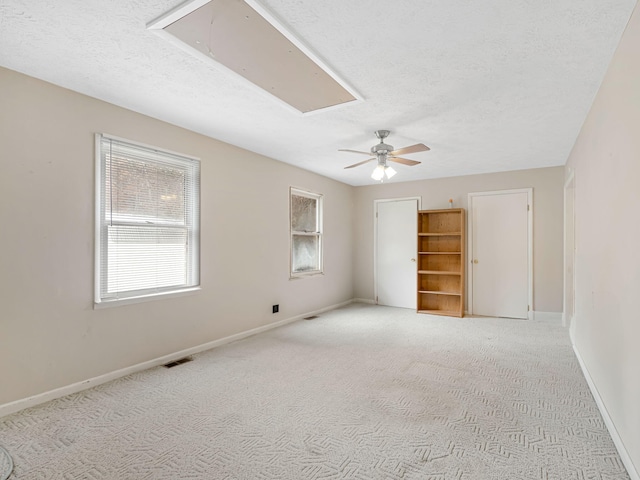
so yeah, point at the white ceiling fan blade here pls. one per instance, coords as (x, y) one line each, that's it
(418, 147)
(354, 151)
(361, 163)
(404, 161)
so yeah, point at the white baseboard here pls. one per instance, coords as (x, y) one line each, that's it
(555, 317)
(364, 300)
(17, 405)
(615, 436)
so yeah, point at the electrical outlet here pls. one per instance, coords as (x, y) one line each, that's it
(275, 309)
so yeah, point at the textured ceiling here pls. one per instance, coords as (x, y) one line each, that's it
(489, 86)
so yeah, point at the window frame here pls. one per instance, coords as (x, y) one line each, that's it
(192, 168)
(318, 197)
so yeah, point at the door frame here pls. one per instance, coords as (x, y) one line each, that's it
(470, 197)
(569, 185)
(375, 237)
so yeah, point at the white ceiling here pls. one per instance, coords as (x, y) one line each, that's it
(490, 86)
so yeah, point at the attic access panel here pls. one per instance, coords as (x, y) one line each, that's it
(235, 35)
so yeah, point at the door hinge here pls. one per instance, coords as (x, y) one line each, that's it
(528, 207)
(528, 308)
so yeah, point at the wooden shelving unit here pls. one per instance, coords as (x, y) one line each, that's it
(441, 261)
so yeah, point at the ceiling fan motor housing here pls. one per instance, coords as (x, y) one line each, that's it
(381, 148)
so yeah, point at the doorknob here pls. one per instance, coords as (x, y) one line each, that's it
(413, 259)
(475, 261)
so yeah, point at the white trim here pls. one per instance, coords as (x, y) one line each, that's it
(375, 236)
(529, 192)
(158, 25)
(116, 302)
(17, 405)
(364, 300)
(97, 233)
(615, 436)
(567, 183)
(552, 317)
(175, 14)
(148, 146)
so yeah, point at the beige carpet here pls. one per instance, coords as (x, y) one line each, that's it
(363, 392)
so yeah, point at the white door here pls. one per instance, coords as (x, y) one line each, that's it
(500, 254)
(396, 248)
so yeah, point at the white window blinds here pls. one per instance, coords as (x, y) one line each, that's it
(148, 221)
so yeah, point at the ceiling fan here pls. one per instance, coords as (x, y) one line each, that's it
(383, 152)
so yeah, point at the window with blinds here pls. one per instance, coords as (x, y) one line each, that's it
(147, 221)
(306, 232)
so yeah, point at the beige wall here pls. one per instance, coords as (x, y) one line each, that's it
(50, 335)
(606, 164)
(547, 184)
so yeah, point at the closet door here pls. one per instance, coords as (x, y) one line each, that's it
(500, 254)
(395, 252)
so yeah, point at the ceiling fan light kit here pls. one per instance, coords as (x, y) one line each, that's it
(380, 171)
(383, 152)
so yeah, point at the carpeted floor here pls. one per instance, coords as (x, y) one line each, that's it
(363, 392)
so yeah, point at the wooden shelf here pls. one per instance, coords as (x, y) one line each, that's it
(439, 253)
(446, 234)
(448, 313)
(437, 272)
(441, 262)
(435, 292)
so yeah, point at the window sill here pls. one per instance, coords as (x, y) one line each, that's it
(297, 276)
(145, 298)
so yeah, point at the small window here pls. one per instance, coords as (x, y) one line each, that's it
(306, 233)
(148, 221)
